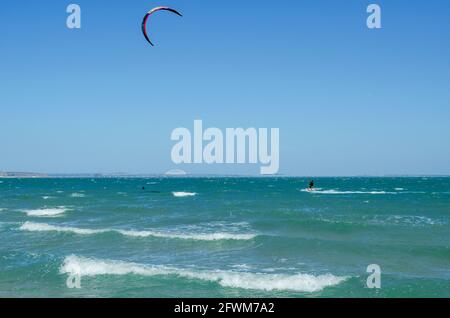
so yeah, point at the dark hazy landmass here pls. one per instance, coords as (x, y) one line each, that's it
(22, 175)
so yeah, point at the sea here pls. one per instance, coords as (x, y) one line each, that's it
(225, 237)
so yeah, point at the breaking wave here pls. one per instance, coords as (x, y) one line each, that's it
(184, 194)
(74, 265)
(345, 192)
(53, 212)
(43, 227)
(77, 195)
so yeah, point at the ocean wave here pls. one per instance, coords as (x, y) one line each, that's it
(382, 220)
(409, 220)
(198, 237)
(43, 227)
(77, 195)
(74, 265)
(184, 194)
(46, 197)
(53, 212)
(345, 192)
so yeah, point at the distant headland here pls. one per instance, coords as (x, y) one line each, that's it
(22, 175)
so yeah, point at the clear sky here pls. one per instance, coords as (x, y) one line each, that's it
(348, 100)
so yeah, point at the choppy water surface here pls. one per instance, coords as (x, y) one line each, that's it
(224, 237)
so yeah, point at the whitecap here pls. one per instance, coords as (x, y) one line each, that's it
(245, 267)
(184, 194)
(77, 195)
(74, 265)
(48, 212)
(316, 191)
(43, 227)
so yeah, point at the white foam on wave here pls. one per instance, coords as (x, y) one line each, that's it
(198, 237)
(51, 212)
(345, 192)
(77, 195)
(244, 267)
(184, 194)
(42, 227)
(46, 197)
(74, 265)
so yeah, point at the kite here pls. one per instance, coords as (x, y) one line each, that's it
(144, 21)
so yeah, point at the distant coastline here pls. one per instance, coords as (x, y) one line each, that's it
(18, 175)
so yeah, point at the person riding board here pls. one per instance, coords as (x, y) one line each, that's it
(311, 185)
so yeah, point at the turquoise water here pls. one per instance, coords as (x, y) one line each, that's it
(224, 237)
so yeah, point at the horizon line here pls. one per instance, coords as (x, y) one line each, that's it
(43, 175)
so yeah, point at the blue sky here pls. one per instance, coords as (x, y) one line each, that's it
(348, 100)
